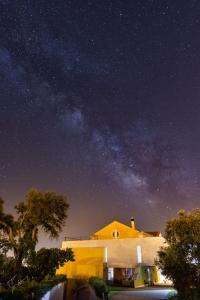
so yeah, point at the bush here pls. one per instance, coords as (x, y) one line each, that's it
(32, 289)
(179, 259)
(174, 296)
(99, 286)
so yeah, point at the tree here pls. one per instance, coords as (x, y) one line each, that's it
(46, 211)
(46, 261)
(180, 259)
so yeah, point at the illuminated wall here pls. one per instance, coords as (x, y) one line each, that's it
(114, 246)
(123, 252)
(88, 262)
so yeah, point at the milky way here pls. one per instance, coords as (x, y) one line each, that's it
(99, 100)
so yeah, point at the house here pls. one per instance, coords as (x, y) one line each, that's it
(118, 253)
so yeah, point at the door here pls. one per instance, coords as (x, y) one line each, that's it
(118, 276)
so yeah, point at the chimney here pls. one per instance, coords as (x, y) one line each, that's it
(132, 223)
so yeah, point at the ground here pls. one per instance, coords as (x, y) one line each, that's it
(141, 294)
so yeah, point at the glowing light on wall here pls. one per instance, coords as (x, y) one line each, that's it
(139, 254)
(105, 255)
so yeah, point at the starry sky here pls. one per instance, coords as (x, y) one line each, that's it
(100, 101)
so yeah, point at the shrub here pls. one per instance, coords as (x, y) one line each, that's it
(32, 289)
(99, 286)
(172, 295)
(179, 259)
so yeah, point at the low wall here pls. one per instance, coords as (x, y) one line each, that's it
(56, 293)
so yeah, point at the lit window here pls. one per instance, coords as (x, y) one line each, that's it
(127, 273)
(110, 273)
(139, 254)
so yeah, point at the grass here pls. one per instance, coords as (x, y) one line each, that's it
(114, 289)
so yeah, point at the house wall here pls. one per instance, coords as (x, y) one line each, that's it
(121, 252)
(88, 262)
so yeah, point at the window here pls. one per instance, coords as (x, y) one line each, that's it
(127, 273)
(139, 254)
(110, 274)
(115, 234)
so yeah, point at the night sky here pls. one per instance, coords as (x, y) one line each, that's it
(100, 101)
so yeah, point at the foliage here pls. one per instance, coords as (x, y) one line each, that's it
(32, 289)
(172, 295)
(180, 259)
(46, 211)
(6, 269)
(46, 261)
(100, 287)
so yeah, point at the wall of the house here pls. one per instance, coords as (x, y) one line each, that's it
(88, 262)
(91, 257)
(122, 253)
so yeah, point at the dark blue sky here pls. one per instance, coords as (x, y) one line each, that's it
(99, 100)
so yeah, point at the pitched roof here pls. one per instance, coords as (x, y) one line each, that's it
(114, 223)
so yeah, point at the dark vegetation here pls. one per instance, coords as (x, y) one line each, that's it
(180, 259)
(32, 289)
(100, 287)
(21, 266)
